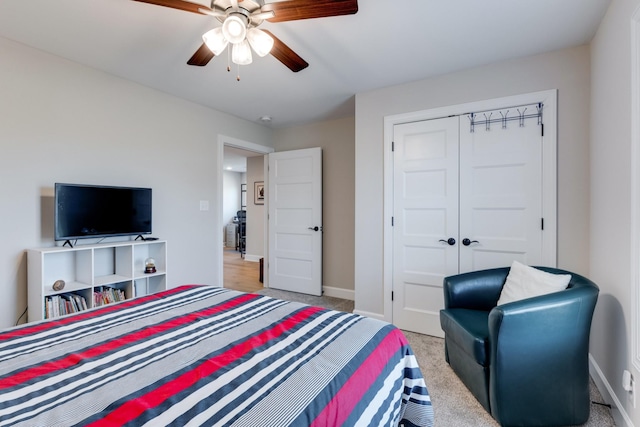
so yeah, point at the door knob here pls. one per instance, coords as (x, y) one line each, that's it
(451, 241)
(316, 228)
(467, 242)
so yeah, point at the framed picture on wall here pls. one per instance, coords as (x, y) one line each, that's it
(258, 192)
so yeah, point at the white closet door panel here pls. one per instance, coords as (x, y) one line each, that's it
(501, 196)
(425, 217)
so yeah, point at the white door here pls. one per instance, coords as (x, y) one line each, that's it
(463, 201)
(500, 196)
(295, 221)
(425, 219)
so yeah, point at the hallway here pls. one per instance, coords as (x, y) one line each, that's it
(239, 274)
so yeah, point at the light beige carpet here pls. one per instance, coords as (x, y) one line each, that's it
(453, 404)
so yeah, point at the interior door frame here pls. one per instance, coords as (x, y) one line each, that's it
(549, 172)
(218, 233)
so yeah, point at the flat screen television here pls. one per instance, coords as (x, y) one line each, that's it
(95, 211)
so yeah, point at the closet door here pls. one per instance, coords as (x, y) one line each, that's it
(463, 201)
(500, 193)
(425, 231)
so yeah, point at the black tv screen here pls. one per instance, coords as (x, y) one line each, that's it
(89, 211)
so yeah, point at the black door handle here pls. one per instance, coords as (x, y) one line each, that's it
(451, 241)
(316, 228)
(467, 242)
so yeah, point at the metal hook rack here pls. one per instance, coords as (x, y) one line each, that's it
(504, 118)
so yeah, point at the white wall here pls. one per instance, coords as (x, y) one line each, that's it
(62, 122)
(565, 70)
(231, 182)
(610, 125)
(255, 213)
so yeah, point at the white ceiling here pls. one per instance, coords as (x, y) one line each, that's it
(235, 159)
(384, 44)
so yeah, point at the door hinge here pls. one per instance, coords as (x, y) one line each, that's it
(391, 295)
(541, 129)
(393, 146)
(541, 223)
(392, 221)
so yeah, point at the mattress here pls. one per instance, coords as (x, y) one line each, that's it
(206, 356)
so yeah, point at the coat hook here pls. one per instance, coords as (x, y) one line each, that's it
(472, 122)
(539, 108)
(487, 121)
(521, 114)
(504, 119)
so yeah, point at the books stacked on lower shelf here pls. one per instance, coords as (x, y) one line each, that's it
(106, 295)
(59, 305)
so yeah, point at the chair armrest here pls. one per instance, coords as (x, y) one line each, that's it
(552, 318)
(477, 290)
(548, 333)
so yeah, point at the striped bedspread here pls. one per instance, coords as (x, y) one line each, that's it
(204, 356)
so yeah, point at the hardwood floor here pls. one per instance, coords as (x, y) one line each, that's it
(239, 274)
(244, 276)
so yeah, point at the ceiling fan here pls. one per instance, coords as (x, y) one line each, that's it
(240, 18)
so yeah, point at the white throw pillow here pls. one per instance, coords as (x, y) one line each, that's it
(527, 282)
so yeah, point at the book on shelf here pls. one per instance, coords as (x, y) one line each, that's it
(63, 304)
(60, 305)
(106, 295)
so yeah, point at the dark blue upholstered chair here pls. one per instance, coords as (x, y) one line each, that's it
(527, 361)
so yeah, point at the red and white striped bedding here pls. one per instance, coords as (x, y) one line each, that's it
(204, 356)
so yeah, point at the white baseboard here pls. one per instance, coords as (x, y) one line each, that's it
(620, 416)
(252, 258)
(369, 314)
(330, 291)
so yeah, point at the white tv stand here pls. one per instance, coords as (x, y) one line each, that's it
(89, 269)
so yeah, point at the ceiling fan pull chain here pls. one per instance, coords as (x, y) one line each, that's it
(238, 76)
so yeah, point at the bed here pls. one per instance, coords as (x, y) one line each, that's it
(205, 356)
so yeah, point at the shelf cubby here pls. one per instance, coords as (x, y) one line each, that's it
(87, 269)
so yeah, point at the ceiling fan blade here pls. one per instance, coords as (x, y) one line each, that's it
(206, 11)
(262, 15)
(284, 54)
(202, 56)
(306, 9)
(178, 4)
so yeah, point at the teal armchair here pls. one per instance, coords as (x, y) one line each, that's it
(526, 361)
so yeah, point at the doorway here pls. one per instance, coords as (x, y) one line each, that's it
(240, 163)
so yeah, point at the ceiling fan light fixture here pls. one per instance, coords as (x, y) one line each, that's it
(241, 53)
(215, 41)
(261, 42)
(234, 27)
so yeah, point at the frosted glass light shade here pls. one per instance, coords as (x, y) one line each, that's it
(241, 53)
(234, 28)
(260, 41)
(215, 41)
